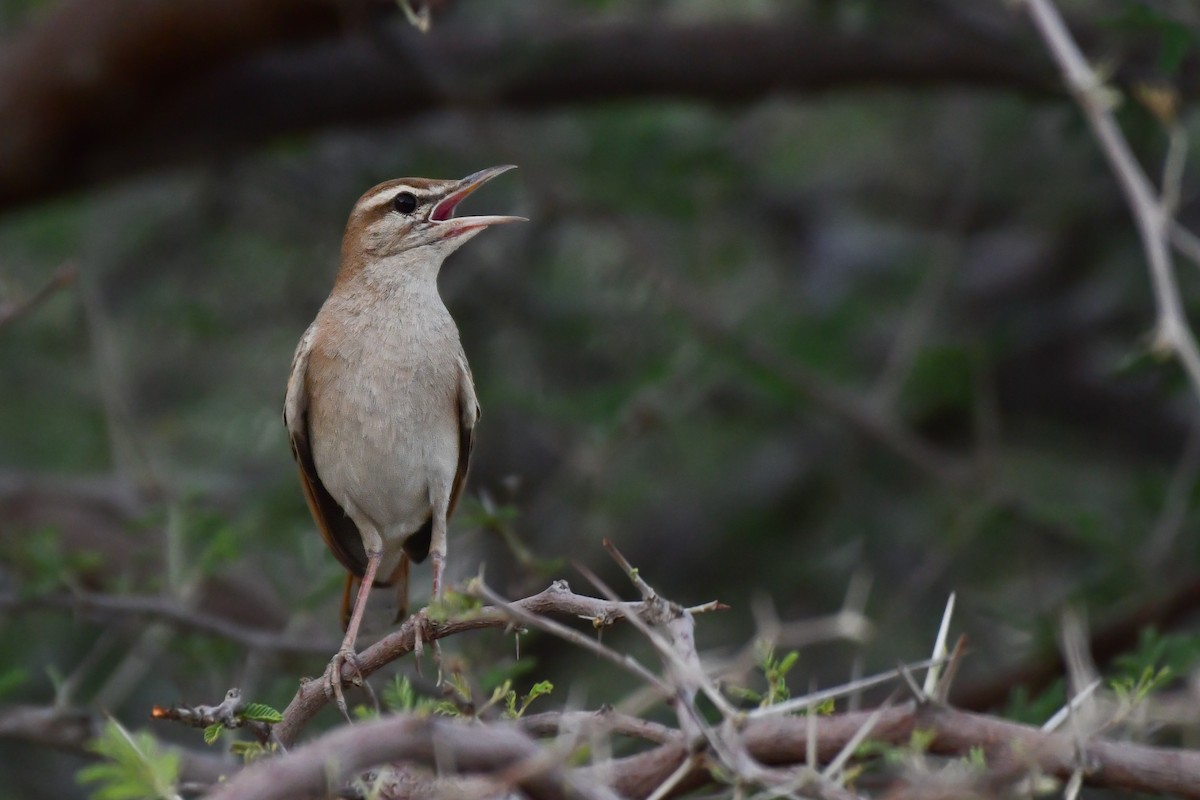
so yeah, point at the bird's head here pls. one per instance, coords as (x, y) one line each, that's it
(413, 218)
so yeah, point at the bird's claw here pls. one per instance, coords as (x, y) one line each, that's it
(422, 622)
(333, 678)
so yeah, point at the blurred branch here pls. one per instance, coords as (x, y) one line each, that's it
(778, 752)
(1105, 643)
(184, 81)
(606, 720)
(1006, 746)
(168, 610)
(338, 756)
(860, 415)
(12, 310)
(1153, 215)
(773, 741)
(71, 729)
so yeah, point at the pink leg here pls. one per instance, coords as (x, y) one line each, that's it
(439, 566)
(333, 673)
(360, 602)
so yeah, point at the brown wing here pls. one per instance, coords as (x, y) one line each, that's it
(466, 443)
(338, 530)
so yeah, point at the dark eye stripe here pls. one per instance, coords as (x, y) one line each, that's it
(381, 201)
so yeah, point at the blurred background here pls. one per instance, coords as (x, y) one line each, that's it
(821, 303)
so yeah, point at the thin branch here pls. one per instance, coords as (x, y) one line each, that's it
(169, 610)
(1173, 333)
(939, 648)
(797, 704)
(606, 720)
(622, 660)
(61, 279)
(837, 402)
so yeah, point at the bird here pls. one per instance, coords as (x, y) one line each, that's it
(380, 405)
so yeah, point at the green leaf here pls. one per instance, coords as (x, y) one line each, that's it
(134, 767)
(363, 712)
(787, 663)
(445, 708)
(250, 751)
(743, 693)
(213, 732)
(261, 712)
(921, 739)
(398, 696)
(540, 688)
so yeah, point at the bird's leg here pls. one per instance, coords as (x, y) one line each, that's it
(348, 594)
(400, 579)
(437, 549)
(346, 654)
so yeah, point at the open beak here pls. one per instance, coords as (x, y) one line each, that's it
(442, 214)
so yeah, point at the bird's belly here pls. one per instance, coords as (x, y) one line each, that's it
(390, 448)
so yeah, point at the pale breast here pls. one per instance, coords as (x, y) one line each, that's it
(384, 417)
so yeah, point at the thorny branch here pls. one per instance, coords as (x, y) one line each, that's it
(777, 752)
(1152, 213)
(558, 599)
(781, 750)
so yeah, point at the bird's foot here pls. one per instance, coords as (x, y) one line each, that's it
(421, 631)
(333, 678)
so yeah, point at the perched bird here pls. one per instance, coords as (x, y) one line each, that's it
(380, 405)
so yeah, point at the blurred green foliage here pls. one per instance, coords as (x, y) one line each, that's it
(144, 403)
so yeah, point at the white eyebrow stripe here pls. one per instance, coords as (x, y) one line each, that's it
(385, 196)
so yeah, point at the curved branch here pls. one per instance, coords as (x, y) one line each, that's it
(341, 754)
(1008, 746)
(176, 82)
(1011, 749)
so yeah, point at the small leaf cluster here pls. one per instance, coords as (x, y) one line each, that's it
(133, 767)
(400, 697)
(775, 670)
(253, 712)
(1156, 660)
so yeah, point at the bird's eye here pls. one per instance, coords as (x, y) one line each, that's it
(405, 202)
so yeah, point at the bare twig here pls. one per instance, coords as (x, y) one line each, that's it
(622, 660)
(797, 704)
(1173, 333)
(939, 648)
